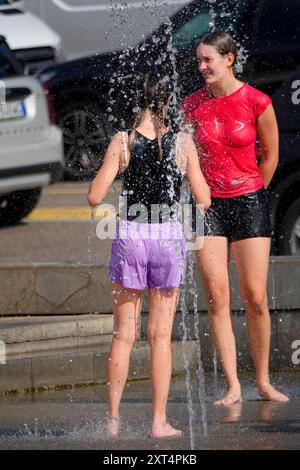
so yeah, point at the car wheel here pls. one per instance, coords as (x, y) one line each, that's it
(289, 233)
(85, 140)
(14, 206)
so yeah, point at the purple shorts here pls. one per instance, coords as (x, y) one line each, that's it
(148, 255)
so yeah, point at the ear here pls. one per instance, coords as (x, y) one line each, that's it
(230, 59)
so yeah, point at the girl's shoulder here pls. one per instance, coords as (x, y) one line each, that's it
(118, 137)
(259, 100)
(185, 142)
(255, 94)
(196, 99)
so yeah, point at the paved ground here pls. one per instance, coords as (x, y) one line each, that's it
(58, 230)
(75, 419)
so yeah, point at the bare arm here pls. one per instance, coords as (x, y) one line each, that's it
(107, 173)
(268, 135)
(199, 187)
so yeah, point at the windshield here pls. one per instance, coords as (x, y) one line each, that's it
(6, 67)
(8, 2)
(224, 16)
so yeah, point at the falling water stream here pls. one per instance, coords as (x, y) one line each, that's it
(190, 288)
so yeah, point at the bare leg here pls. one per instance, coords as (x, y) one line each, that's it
(162, 303)
(126, 306)
(213, 264)
(252, 260)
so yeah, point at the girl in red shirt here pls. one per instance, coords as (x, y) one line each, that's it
(227, 114)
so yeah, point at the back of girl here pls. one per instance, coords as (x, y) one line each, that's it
(149, 250)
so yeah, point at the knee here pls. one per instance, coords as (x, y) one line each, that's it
(125, 335)
(218, 301)
(158, 336)
(256, 301)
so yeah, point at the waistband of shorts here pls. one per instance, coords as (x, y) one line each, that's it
(240, 196)
(170, 229)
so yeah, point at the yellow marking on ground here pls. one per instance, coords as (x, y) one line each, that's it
(65, 214)
(54, 191)
(77, 189)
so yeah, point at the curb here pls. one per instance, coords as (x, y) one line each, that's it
(62, 368)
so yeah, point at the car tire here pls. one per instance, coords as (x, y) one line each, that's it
(289, 232)
(86, 136)
(14, 206)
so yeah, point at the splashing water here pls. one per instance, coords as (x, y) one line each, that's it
(91, 234)
(90, 252)
(122, 105)
(215, 366)
(188, 381)
(200, 372)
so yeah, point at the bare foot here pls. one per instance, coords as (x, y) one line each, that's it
(233, 396)
(113, 425)
(165, 430)
(267, 391)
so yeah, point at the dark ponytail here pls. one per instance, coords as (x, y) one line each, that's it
(153, 94)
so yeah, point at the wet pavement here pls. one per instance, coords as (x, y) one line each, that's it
(75, 418)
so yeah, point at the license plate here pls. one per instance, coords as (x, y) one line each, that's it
(12, 110)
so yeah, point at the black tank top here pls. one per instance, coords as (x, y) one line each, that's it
(151, 181)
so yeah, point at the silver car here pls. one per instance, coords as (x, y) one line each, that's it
(31, 149)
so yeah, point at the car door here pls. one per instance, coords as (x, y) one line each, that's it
(275, 50)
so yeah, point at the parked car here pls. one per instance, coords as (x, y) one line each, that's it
(87, 27)
(92, 96)
(33, 42)
(31, 150)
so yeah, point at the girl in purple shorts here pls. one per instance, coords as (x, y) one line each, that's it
(149, 248)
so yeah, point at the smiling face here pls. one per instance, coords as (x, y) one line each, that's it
(213, 66)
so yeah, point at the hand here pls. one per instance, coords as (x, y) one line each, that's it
(207, 204)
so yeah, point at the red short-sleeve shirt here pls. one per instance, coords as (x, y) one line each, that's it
(225, 131)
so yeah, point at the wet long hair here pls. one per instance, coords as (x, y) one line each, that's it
(153, 93)
(222, 42)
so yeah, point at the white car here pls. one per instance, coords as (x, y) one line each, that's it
(35, 44)
(31, 150)
(96, 26)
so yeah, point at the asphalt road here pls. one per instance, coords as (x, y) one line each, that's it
(59, 229)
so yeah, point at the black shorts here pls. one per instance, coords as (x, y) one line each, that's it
(237, 218)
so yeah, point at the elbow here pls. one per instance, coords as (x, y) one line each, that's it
(92, 200)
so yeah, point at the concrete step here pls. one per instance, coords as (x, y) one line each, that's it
(35, 348)
(84, 288)
(16, 330)
(86, 365)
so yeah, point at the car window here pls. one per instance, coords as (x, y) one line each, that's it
(6, 68)
(279, 23)
(221, 16)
